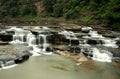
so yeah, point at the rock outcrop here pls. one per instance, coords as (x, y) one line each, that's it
(10, 55)
(79, 59)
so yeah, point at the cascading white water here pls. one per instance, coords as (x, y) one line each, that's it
(110, 43)
(101, 55)
(19, 35)
(37, 42)
(31, 39)
(68, 34)
(41, 46)
(93, 34)
(107, 42)
(83, 43)
(43, 41)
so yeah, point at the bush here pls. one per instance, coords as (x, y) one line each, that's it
(28, 10)
(58, 10)
(13, 12)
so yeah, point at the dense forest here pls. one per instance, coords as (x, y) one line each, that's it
(80, 11)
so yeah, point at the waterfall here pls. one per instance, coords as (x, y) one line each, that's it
(43, 41)
(38, 42)
(19, 36)
(68, 35)
(31, 39)
(101, 55)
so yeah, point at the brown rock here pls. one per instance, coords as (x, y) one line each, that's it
(4, 43)
(76, 57)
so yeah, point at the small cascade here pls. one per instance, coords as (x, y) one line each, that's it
(101, 55)
(42, 42)
(83, 43)
(37, 38)
(19, 36)
(94, 34)
(31, 39)
(68, 34)
(97, 38)
(110, 43)
(38, 42)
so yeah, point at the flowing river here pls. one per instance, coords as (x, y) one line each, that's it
(59, 67)
(44, 64)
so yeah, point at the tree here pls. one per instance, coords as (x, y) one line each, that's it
(13, 12)
(58, 10)
(28, 10)
(48, 4)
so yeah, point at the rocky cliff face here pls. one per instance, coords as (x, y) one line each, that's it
(39, 6)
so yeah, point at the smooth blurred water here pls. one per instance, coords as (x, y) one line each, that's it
(59, 67)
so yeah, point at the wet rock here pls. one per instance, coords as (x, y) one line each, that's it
(6, 59)
(6, 37)
(94, 42)
(10, 55)
(3, 43)
(22, 59)
(49, 49)
(116, 59)
(34, 32)
(109, 35)
(118, 43)
(75, 42)
(76, 57)
(57, 39)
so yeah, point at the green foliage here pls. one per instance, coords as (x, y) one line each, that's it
(15, 8)
(13, 12)
(58, 10)
(83, 11)
(48, 4)
(28, 10)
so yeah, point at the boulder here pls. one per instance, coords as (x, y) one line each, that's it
(75, 42)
